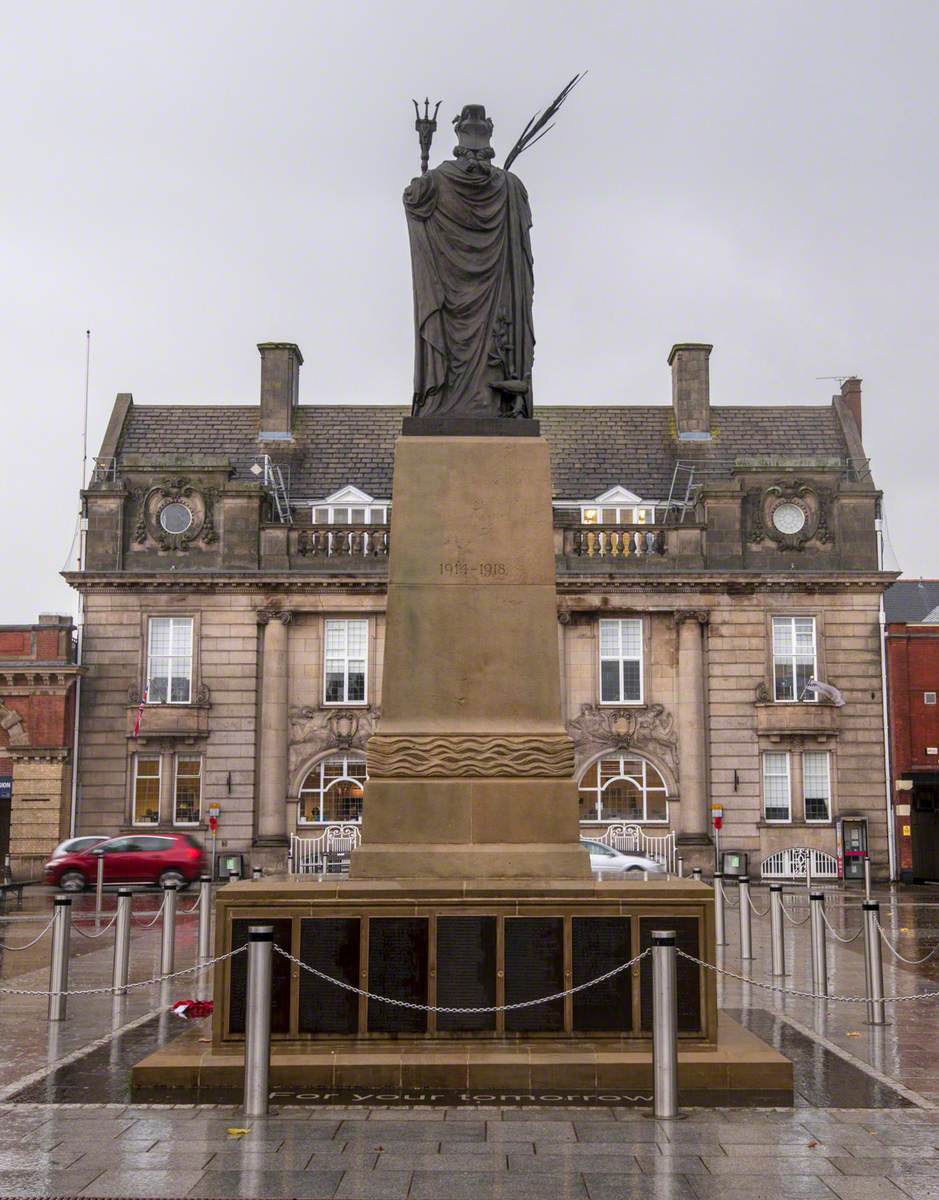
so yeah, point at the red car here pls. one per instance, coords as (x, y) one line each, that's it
(156, 858)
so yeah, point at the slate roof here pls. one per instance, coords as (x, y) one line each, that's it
(592, 448)
(911, 600)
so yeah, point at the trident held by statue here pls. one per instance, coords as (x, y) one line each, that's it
(426, 127)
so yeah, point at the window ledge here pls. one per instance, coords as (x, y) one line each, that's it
(169, 720)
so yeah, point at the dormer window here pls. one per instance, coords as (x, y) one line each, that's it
(618, 506)
(349, 506)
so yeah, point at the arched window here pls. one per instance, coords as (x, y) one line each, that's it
(332, 792)
(623, 789)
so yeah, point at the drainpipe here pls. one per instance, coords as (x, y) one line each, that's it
(891, 830)
(79, 647)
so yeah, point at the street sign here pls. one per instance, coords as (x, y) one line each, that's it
(717, 815)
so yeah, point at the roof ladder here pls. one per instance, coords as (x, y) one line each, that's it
(679, 494)
(274, 482)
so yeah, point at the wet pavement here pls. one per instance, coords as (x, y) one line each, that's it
(865, 1123)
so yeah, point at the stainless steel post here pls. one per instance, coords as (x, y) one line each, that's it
(99, 891)
(664, 1026)
(873, 964)
(746, 933)
(808, 871)
(257, 872)
(681, 867)
(696, 874)
(720, 935)
(258, 1023)
(58, 968)
(121, 942)
(205, 917)
(776, 928)
(819, 949)
(867, 877)
(168, 944)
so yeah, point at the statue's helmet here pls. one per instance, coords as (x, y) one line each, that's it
(473, 127)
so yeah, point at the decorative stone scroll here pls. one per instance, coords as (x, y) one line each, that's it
(812, 502)
(150, 502)
(471, 755)
(643, 730)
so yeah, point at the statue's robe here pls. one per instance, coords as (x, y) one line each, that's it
(473, 281)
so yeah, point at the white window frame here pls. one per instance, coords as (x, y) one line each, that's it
(321, 791)
(644, 781)
(826, 754)
(810, 697)
(375, 514)
(764, 775)
(138, 759)
(626, 514)
(346, 621)
(621, 658)
(173, 620)
(929, 697)
(188, 758)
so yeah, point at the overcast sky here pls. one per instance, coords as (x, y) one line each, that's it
(187, 180)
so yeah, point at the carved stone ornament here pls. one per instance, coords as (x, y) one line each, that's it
(314, 730)
(642, 730)
(178, 495)
(790, 513)
(266, 615)
(761, 693)
(470, 755)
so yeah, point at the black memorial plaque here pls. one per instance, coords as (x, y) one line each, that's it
(688, 980)
(599, 945)
(466, 971)
(331, 945)
(397, 967)
(534, 966)
(280, 976)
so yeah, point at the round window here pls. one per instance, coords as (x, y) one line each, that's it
(788, 518)
(175, 518)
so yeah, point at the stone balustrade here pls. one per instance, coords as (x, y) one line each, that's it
(343, 541)
(615, 541)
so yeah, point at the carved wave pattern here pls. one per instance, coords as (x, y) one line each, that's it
(470, 756)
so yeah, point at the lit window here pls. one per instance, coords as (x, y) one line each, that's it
(793, 657)
(146, 791)
(776, 802)
(816, 784)
(619, 515)
(623, 789)
(345, 662)
(169, 661)
(332, 792)
(621, 662)
(187, 805)
(342, 514)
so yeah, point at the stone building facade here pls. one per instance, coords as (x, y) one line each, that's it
(38, 677)
(710, 561)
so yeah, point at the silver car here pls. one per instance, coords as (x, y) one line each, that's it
(605, 861)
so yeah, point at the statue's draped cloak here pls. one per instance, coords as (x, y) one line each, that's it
(473, 282)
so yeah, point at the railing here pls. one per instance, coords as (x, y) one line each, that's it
(661, 847)
(104, 471)
(615, 541)
(792, 863)
(330, 849)
(344, 541)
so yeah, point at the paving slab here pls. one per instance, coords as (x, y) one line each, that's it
(264, 1182)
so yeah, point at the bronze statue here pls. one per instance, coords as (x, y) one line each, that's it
(471, 262)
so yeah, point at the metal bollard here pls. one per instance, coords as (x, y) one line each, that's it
(58, 969)
(168, 944)
(125, 900)
(99, 891)
(808, 872)
(720, 934)
(696, 874)
(746, 932)
(257, 872)
(258, 1023)
(205, 917)
(776, 928)
(873, 964)
(819, 949)
(664, 1026)
(289, 862)
(681, 867)
(867, 877)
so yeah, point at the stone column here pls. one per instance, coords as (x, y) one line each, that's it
(272, 777)
(692, 734)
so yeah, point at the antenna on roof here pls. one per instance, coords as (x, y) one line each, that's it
(838, 378)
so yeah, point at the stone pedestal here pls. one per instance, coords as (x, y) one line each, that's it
(471, 772)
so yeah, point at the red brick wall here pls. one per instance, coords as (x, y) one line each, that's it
(15, 643)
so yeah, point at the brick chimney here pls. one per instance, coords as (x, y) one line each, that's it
(851, 399)
(691, 390)
(280, 389)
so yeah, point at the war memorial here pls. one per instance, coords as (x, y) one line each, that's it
(470, 892)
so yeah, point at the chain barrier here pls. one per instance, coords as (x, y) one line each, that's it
(36, 939)
(92, 936)
(149, 924)
(913, 962)
(109, 990)
(437, 1008)
(775, 987)
(756, 911)
(845, 941)
(185, 912)
(789, 917)
(727, 898)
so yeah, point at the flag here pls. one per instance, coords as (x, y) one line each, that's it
(140, 708)
(828, 690)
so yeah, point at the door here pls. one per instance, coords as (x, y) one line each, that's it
(924, 819)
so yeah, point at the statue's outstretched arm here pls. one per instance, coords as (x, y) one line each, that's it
(420, 196)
